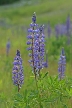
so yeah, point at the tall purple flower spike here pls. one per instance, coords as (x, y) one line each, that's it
(36, 46)
(17, 72)
(62, 65)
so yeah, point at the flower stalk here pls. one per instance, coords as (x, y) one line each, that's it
(36, 46)
(17, 72)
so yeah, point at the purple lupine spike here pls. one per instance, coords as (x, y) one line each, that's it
(8, 46)
(18, 53)
(32, 32)
(17, 72)
(36, 40)
(34, 18)
(39, 50)
(62, 64)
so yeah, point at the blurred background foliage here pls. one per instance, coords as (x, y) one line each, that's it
(3, 2)
(15, 19)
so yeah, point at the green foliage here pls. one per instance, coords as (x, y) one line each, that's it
(2, 2)
(54, 11)
(49, 92)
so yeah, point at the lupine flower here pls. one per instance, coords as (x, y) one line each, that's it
(34, 18)
(62, 64)
(41, 49)
(8, 45)
(32, 32)
(36, 46)
(17, 72)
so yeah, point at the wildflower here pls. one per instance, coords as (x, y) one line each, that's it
(36, 39)
(62, 64)
(34, 18)
(17, 72)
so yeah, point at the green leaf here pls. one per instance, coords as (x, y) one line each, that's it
(45, 74)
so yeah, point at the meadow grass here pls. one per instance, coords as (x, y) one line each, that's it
(53, 10)
(49, 88)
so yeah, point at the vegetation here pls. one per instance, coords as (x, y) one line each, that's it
(47, 91)
(3, 2)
